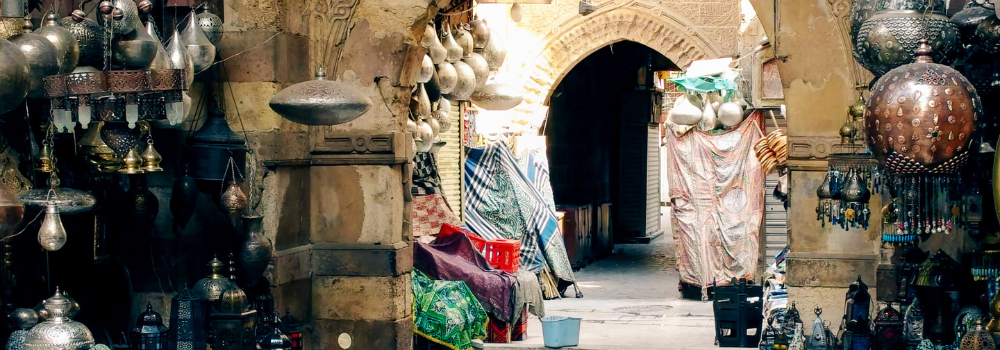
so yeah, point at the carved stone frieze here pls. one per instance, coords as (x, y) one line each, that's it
(812, 147)
(340, 148)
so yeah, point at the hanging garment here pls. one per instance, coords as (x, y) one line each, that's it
(426, 179)
(446, 312)
(502, 202)
(717, 191)
(430, 212)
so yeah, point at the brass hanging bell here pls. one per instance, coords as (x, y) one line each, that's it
(151, 158)
(45, 163)
(133, 163)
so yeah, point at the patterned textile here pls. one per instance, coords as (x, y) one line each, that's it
(429, 213)
(502, 202)
(454, 258)
(426, 179)
(497, 331)
(446, 312)
(717, 191)
(534, 162)
(519, 331)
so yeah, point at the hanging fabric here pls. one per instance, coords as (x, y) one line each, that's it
(717, 191)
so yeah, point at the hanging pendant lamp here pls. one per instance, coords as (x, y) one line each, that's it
(321, 102)
(42, 56)
(198, 46)
(67, 48)
(89, 37)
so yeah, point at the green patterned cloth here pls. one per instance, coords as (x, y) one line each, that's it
(446, 312)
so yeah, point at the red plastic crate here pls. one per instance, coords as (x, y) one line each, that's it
(504, 254)
(448, 230)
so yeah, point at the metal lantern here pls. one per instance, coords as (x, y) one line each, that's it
(913, 323)
(321, 101)
(232, 323)
(857, 336)
(888, 329)
(920, 117)
(210, 24)
(210, 288)
(58, 331)
(892, 37)
(497, 97)
(202, 50)
(149, 332)
(210, 150)
(978, 339)
(819, 340)
(293, 328)
(67, 47)
(42, 56)
(858, 302)
(89, 35)
(187, 318)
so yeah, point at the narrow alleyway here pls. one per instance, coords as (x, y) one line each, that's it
(631, 302)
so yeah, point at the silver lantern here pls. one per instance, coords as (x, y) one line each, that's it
(497, 97)
(321, 102)
(202, 50)
(89, 37)
(43, 58)
(210, 24)
(14, 76)
(67, 48)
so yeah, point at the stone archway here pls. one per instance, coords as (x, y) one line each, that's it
(660, 30)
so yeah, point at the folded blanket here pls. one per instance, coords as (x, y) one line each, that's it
(455, 258)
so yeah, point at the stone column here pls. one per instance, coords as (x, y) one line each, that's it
(818, 74)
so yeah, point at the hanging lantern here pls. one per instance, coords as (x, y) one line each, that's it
(480, 32)
(210, 24)
(139, 206)
(210, 151)
(24, 319)
(67, 48)
(42, 57)
(52, 234)
(293, 328)
(15, 75)
(891, 38)
(435, 49)
(939, 271)
(187, 321)
(321, 102)
(89, 36)
(149, 332)
(861, 11)
(495, 52)
(465, 84)
(497, 97)
(183, 199)
(67, 200)
(888, 329)
(58, 331)
(202, 50)
(120, 16)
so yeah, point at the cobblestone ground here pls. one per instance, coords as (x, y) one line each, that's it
(631, 302)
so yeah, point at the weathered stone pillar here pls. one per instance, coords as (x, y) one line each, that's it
(335, 199)
(818, 74)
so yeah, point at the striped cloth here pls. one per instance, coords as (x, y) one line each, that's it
(502, 202)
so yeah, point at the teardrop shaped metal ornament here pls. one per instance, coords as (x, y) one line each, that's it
(183, 200)
(202, 50)
(454, 51)
(466, 82)
(67, 49)
(480, 33)
(435, 49)
(464, 39)
(420, 104)
(136, 50)
(426, 70)
(442, 114)
(123, 20)
(15, 76)
(447, 77)
(89, 37)
(495, 52)
(479, 67)
(497, 97)
(321, 102)
(433, 87)
(42, 57)
(255, 252)
(160, 60)
(179, 58)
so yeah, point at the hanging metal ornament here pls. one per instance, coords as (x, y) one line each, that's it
(424, 136)
(67, 48)
(442, 114)
(183, 199)
(420, 104)
(892, 36)
(210, 24)
(120, 17)
(210, 288)
(89, 37)
(465, 85)
(139, 206)
(151, 158)
(202, 50)
(118, 136)
(132, 163)
(135, 50)
(435, 49)
(178, 57)
(497, 97)
(42, 57)
(480, 33)
(15, 76)
(447, 77)
(987, 36)
(968, 19)
(321, 101)
(426, 70)
(433, 86)
(160, 61)
(67, 200)
(479, 67)
(494, 52)
(454, 51)
(213, 151)
(464, 39)
(93, 148)
(861, 11)
(234, 200)
(920, 117)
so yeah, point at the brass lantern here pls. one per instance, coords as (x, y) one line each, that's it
(920, 117)
(232, 323)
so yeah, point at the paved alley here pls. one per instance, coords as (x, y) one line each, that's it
(631, 302)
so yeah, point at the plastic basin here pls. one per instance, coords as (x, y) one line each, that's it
(561, 331)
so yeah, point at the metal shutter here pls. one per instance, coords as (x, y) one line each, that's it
(652, 179)
(775, 220)
(449, 160)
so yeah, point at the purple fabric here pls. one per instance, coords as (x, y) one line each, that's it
(455, 258)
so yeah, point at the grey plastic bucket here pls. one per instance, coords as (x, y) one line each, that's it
(561, 331)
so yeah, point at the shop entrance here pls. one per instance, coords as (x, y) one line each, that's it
(603, 145)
